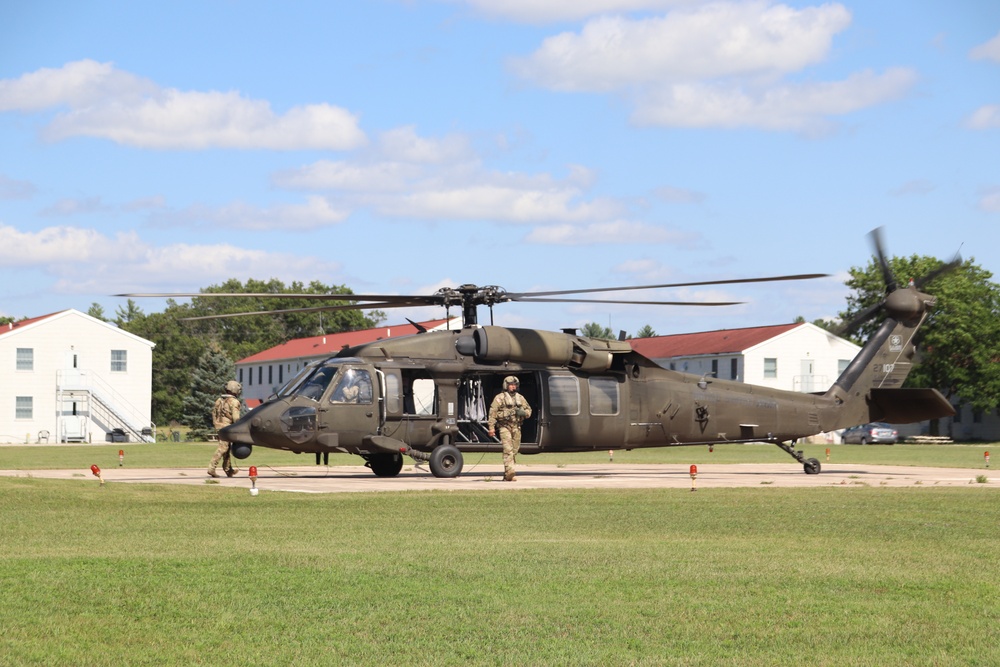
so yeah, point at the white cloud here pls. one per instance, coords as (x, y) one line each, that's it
(914, 187)
(65, 207)
(985, 118)
(111, 104)
(316, 213)
(718, 40)
(455, 191)
(403, 144)
(987, 51)
(723, 64)
(617, 231)
(680, 195)
(989, 201)
(77, 84)
(88, 261)
(342, 175)
(14, 189)
(798, 107)
(533, 11)
(498, 203)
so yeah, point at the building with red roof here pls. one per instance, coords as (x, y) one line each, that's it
(796, 357)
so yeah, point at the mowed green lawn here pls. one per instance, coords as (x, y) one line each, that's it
(205, 575)
(197, 455)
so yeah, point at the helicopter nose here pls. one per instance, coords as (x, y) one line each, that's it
(238, 432)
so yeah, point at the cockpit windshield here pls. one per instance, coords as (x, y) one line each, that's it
(292, 385)
(314, 384)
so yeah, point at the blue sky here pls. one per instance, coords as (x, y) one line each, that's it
(397, 146)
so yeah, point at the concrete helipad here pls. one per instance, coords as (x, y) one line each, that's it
(344, 479)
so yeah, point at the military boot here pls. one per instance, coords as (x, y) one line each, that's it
(212, 473)
(232, 472)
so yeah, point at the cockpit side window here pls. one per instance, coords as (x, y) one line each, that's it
(354, 386)
(317, 383)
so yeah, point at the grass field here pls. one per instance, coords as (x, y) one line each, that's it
(204, 575)
(196, 455)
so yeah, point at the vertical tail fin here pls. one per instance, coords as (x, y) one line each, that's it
(870, 388)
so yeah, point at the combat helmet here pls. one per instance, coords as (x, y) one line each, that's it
(511, 380)
(233, 387)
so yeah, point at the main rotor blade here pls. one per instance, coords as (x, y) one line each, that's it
(804, 276)
(385, 298)
(313, 309)
(637, 303)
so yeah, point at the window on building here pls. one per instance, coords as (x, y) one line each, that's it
(281, 374)
(603, 396)
(241, 376)
(270, 374)
(770, 367)
(119, 361)
(564, 395)
(260, 375)
(24, 407)
(734, 369)
(842, 365)
(25, 359)
(715, 368)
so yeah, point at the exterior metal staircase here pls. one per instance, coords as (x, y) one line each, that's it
(83, 398)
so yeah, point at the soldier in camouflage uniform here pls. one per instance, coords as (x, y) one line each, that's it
(508, 411)
(226, 411)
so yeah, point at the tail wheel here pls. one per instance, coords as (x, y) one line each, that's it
(446, 461)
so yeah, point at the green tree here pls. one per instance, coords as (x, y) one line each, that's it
(125, 314)
(208, 378)
(180, 344)
(175, 357)
(829, 325)
(645, 332)
(595, 330)
(957, 349)
(96, 311)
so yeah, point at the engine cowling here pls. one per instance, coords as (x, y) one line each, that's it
(546, 347)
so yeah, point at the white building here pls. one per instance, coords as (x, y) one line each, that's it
(795, 357)
(264, 373)
(69, 377)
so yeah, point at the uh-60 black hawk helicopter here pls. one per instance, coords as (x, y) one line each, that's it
(425, 395)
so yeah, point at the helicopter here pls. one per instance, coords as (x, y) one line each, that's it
(424, 396)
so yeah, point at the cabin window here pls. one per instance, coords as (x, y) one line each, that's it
(419, 397)
(770, 367)
(564, 395)
(25, 359)
(119, 361)
(392, 386)
(24, 407)
(355, 386)
(603, 396)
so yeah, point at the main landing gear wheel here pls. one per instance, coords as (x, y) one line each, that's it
(811, 466)
(385, 465)
(446, 461)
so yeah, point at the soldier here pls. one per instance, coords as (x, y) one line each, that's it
(226, 411)
(508, 411)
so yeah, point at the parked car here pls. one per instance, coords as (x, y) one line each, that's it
(875, 433)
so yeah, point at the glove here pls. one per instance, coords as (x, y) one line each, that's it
(521, 414)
